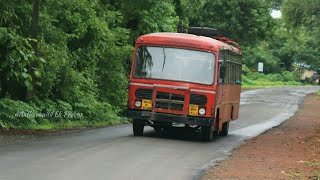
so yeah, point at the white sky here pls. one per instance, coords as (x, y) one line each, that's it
(276, 13)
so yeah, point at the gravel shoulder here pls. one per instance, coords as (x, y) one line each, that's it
(289, 151)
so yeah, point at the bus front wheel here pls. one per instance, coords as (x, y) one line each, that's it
(207, 133)
(137, 128)
(225, 129)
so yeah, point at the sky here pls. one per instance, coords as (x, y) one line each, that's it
(276, 13)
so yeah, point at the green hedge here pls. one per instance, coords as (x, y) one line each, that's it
(255, 79)
(54, 115)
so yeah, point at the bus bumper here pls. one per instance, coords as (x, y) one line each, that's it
(144, 116)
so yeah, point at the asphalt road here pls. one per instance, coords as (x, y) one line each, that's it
(114, 153)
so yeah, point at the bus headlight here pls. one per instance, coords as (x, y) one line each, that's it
(202, 111)
(137, 104)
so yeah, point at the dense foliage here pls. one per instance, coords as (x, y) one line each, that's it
(80, 64)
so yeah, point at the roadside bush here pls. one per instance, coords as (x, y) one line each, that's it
(291, 76)
(275, 77)
(53, 114)
(255, 79)
(97, 112)
(247, 81)
(256, 76)
(16, 114)
(245, 69)
(48, 106)
(15, 55)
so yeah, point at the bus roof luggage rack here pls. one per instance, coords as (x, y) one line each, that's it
(228, 41)
(208, 32)
(212, 33)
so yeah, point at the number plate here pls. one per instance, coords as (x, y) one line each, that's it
(193, 110)
(146, 104)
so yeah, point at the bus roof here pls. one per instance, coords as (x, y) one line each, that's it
(186, 40)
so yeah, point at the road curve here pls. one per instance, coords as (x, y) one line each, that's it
(114, 153)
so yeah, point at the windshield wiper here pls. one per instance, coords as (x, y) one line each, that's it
(164, 57)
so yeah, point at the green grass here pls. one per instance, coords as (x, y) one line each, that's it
(316, 164)
(79, 124)
(270, 85)
(317, 175)
(295, 175)
(260, 80)
(74, 125)
(249, 84)
(318, 95)
(42, 116)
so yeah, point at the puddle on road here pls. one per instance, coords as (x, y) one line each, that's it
(256, 129)
(286, 95)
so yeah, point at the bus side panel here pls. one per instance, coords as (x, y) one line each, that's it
(225, 106)
(228, 100)
(219, 104)
(236, 101)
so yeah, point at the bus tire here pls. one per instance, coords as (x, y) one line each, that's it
(158, 130)
(217, 126)
(207, 133)
(137, 128)
(225, 129)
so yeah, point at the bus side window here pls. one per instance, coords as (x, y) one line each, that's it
(223, 73)
(230, 73)
(237, 73)
(234, 73)
(219, 74)
(226, 80)
(240, 73)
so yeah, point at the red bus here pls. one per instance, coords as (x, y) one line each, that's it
(179, 78)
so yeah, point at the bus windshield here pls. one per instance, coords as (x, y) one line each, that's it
(174, 64)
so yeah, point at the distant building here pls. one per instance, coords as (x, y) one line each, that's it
(309, 76)
(316, 77)
(306, 74)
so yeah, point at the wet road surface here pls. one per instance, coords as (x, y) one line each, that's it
(114, 153)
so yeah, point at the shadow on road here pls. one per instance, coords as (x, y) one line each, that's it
(179, 133)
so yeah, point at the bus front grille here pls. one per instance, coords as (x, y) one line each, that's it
(169, 101)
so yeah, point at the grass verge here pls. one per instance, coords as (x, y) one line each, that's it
(75, 125)
(318, 95)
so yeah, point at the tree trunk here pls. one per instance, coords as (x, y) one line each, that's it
(34, 35)
(0, 88)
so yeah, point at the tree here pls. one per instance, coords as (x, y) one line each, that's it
(247, 21)
(34, 43)
(188, 12)
(275, 4)
(262, 52)
(147, 16)
(301, 19)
